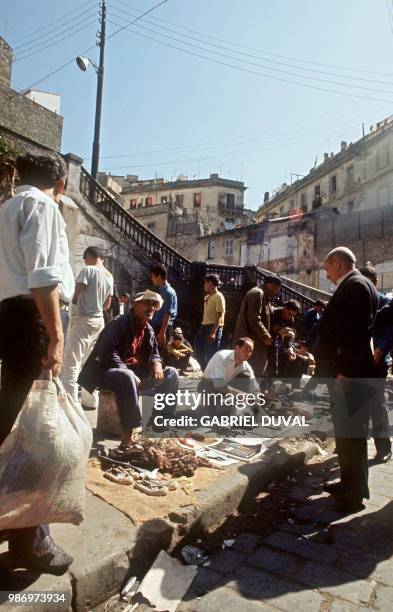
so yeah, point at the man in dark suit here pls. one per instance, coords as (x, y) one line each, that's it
(346, 359)
(253, 321)
(125, 360)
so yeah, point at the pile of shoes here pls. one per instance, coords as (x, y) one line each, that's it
(165, 455)
(142, 481)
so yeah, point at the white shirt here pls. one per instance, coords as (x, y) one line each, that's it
(221, 368)
(340, 280)
(33, 246)
(98, 283)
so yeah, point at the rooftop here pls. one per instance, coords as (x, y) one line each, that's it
(347, 152)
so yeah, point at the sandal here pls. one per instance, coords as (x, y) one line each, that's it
(150, 487)
(120, 475)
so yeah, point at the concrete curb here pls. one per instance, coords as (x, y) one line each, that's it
(108, 547)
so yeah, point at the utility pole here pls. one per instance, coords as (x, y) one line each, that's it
(100, 85)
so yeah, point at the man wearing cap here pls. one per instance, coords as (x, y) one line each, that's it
(125, 359)
(254, 321)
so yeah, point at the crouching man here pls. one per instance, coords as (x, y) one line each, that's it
(228, 371)
(126, 360)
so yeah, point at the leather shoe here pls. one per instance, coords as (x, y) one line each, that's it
(335, 488)
(382, 457)
(347, 504)
(48, 558)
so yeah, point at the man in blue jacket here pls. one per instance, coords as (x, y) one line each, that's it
(125, 360)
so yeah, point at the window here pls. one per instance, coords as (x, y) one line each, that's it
(352, 206)
(333, 185)
(228, 247)
(303, 202)
(211, 249)
(291, 204)
(197, 199)
(350, 176)
(281, 211)
(227, 200)
(317, 197)
(382, 156)
(164, 199)
(133, 203)
(149, 201)
(179, 198)
(229, 223)
(151, 226)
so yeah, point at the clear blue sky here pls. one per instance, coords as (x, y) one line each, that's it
(171, 113)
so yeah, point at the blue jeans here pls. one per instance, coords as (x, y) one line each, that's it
(123, 383)
(203, 349)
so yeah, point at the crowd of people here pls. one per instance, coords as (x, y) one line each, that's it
(130, 344)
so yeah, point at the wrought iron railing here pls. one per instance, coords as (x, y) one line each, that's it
(132, 228)
(231, 276)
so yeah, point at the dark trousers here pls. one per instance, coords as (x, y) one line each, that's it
(352, 405)
(123, 383)
(379, 417)
(203, 349)
(22, 346)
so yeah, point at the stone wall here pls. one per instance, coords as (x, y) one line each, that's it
(5, 63)
(30, 120)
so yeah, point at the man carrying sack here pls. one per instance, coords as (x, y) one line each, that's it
(34, 274)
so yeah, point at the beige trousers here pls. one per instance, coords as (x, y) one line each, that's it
(81, 337)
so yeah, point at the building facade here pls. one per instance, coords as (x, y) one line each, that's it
(357, 178)
(296, 246)
(180, 211)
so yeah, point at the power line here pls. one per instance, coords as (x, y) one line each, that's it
(232, 50)
(56, 42)
(247, 151)
(262, 52)
(137, 18)
(56, 70)
(259, 65)
(275, 78)
(390, 13)
(217, 144)
(49, 25)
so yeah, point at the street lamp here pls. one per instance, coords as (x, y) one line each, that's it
(83, 64)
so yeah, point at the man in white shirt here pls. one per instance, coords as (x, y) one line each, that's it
(229, 369)
(34, 272)
(94, 288)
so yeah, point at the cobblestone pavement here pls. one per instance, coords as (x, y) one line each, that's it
(315, 560)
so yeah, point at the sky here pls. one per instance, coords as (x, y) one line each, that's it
(256, 90)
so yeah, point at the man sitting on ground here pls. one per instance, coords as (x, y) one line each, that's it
(286, 359)
(179, 351)
(125, 360)
(228, 371)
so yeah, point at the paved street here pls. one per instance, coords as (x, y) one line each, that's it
(313, 561)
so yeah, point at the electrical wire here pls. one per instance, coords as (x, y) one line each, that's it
(259, 65)
(248, 151)
(241, 140)
(251, 55)
(56, 42)
(262, 52)
(41, 29)
(69, 62)
(390, 13)
(264, 75)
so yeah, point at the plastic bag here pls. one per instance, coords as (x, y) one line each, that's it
(43, 460)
